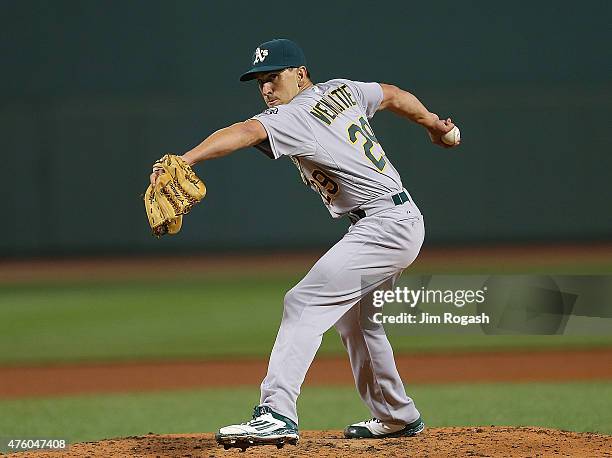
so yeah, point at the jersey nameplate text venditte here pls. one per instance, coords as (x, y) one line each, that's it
(331, 105)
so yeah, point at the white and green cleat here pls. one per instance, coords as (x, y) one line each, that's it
(265, 428)
(376, 429)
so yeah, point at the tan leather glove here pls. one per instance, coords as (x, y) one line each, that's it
(176, 190)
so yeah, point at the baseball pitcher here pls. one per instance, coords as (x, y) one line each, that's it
(325, 130)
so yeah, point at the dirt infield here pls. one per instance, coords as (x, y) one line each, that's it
(434, 442)
(431, 260)
(560, 365)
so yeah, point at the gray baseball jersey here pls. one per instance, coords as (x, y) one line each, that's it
(326, 133)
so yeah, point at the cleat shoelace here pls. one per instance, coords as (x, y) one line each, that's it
(257, 412)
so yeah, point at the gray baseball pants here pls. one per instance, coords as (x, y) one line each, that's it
(338, 291)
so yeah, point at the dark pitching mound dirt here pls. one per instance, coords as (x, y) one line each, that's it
(435, 442)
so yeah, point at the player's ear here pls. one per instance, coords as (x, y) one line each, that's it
(301, 75)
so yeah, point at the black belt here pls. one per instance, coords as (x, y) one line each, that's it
(398, 199)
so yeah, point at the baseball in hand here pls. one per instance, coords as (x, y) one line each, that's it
(453, 137)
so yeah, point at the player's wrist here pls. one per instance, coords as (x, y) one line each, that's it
(189, 161)
(429, 121)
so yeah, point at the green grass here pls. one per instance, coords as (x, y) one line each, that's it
(205, 318)
(571, 406)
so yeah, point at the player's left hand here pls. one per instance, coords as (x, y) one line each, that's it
(174, 190)
(438, 128)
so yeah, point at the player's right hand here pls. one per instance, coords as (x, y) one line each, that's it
(438, 128)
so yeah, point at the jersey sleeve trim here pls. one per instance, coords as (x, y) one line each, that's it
(267, 146)
(381, 97)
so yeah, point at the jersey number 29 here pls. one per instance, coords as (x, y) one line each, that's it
(367, 133)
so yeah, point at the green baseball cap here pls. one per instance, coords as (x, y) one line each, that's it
(273, 55)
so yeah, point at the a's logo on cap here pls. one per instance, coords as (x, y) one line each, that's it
(260, 55)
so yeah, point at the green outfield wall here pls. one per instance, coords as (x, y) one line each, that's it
(93, 92)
